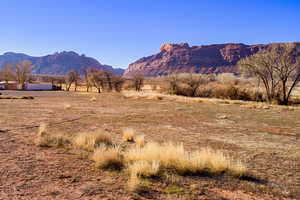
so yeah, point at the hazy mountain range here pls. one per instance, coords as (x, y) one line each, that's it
(215, 58)
(57, 63)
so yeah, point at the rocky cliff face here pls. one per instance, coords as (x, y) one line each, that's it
(57, 63)
(181, 57)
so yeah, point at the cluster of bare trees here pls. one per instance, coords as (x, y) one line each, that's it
(21, 72)
(102, 80)
(277, 68)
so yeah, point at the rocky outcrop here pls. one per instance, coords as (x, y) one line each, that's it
(57, 63)
(178, 58)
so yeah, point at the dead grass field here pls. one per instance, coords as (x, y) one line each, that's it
(266, 139)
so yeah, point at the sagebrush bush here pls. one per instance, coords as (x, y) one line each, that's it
(91, 140)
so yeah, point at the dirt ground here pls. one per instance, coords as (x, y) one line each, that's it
(266, 139)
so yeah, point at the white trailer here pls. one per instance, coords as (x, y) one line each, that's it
(38, 86)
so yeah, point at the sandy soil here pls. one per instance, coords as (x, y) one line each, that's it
(266, 139)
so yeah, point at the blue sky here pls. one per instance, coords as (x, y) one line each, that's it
(118, 32)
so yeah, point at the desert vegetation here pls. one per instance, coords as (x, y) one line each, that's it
(223, 86)
(146, 159)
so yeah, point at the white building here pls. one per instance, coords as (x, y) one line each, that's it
(38, 86)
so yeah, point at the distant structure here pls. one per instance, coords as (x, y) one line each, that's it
(13, 85)
(10, 85)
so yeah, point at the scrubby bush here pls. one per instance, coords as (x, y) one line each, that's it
(224, 86)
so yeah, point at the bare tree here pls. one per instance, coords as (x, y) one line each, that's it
(287, 69)
(72, 77)
(8, 73)
(117, 82)
(87, 78)
(98, 79)
(138, 81)
(275, 67)
(173, 81)
(23, 72)
(109, 83)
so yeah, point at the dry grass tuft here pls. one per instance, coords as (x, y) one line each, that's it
(128, 134)
(52, 141)
(139, 140)
(144, 168)
(46, 139)
(175, 157)
(134, 184)
(108, 157)
(67, 106)
(42, 129)
(93, 99)
(91, 140)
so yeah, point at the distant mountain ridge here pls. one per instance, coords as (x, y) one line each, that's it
(179, 58)
(58, 63)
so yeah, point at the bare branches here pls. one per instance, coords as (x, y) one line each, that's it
(8, 73)
(72, 77)
(138, 81)
(23, 72)
(276, 68)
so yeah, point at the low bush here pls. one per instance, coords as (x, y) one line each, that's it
(224, 86)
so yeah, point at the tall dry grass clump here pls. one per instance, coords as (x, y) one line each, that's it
(175, 157)
(67, 106)
(134, 184)
(144, 168)
(140, 140)
(42, 129)
(46, 139)
(128, 134)
(91, 140)
(93, 99)
(108, 157)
